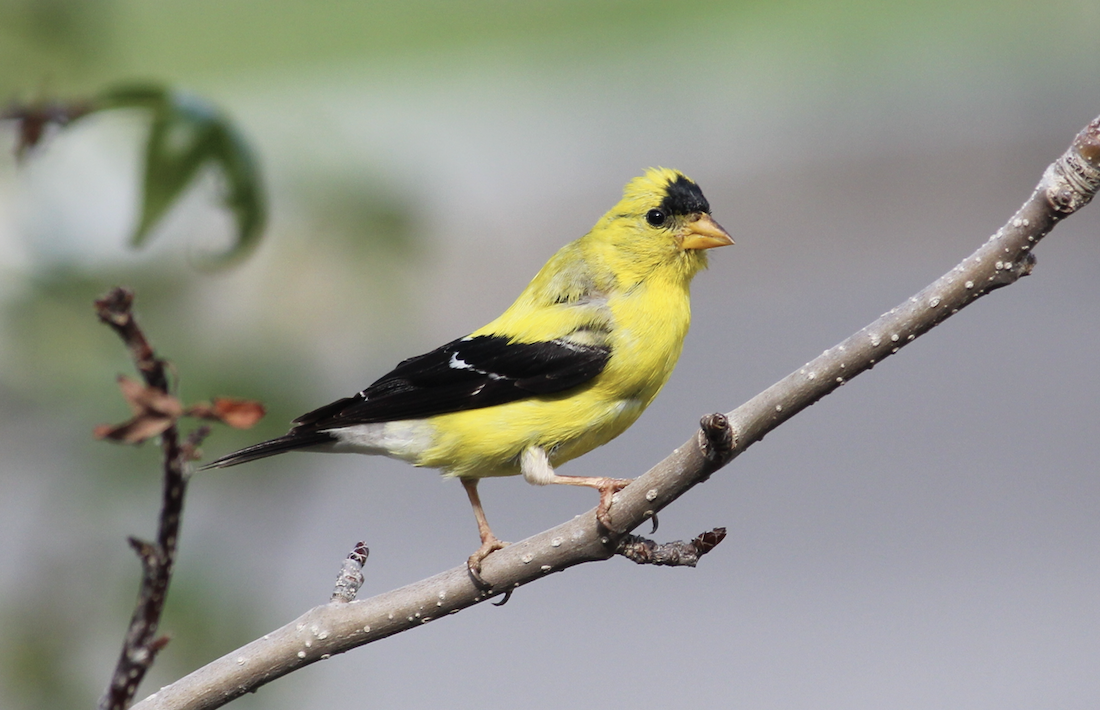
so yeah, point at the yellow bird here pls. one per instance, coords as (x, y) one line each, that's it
(568, 367)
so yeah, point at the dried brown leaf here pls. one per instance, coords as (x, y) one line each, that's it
(148, 400)
(136, 430)
(154, 411)
(237, 413)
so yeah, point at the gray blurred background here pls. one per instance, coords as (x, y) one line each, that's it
(926, 537)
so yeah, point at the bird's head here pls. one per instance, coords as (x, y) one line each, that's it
(663, 220)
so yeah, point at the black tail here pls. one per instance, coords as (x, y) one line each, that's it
(288, 442)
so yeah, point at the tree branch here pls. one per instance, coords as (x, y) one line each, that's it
(1067, 185)
(140, 647)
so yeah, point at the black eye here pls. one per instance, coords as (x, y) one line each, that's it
(656, 217)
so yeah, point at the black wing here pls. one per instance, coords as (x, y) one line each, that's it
(468, 373)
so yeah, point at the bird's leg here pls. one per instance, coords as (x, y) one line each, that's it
(489, 542)
(537, 470)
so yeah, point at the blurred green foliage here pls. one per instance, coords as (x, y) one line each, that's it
(188, 133)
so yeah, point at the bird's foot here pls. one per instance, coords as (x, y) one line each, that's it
(608, 487)
(473, 564)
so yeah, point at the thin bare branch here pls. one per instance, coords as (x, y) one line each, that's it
(33, 120)
(1066, 186)
(141, 643)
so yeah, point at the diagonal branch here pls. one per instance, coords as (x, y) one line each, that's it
(1067, 185)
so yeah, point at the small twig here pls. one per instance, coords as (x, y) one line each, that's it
(351, 574)
(115, 309)
(672, 554)
(33, 119)
(141, 643)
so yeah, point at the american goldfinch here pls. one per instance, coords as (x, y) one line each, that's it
(568, 367)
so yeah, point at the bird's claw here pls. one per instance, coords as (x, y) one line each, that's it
(608, 488)
(473, 564)
(477, 579)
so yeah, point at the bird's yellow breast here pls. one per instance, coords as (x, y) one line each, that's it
(643, 323)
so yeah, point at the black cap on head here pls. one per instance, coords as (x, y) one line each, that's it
(683, 197)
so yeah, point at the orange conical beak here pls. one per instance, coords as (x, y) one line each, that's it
(705, 233)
